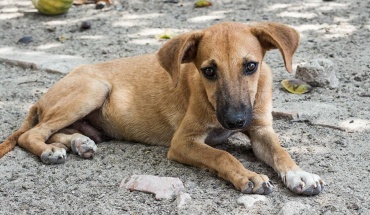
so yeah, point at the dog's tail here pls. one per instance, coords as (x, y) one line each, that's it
(30, 121)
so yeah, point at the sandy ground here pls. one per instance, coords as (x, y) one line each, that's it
(336, 30)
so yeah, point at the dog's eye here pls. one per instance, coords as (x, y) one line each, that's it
(251, 67)
(210, 73)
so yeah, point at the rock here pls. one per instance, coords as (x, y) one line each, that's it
(292, 207)
(355, 124)
(162, 187)
(249, 200)
(40, 60)
(318, 73)
(322, 114)
(183, 200)
(315, 112)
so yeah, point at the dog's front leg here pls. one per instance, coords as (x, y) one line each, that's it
(266, 147)
(191, 150)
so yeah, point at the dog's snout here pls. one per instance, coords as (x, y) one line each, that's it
(233, 119)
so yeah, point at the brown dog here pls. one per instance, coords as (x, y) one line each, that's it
(218, 85)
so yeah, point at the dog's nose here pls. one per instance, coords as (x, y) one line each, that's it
(235, 122)
(234, 118)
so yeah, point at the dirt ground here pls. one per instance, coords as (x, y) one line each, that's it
(337, 30)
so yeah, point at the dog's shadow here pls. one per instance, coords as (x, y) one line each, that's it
(239, 146)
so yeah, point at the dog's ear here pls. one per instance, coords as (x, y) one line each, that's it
(181, 49)
(275, 35)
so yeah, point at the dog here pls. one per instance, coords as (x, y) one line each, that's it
(198, 89)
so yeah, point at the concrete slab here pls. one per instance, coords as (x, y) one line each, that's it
(41, 60)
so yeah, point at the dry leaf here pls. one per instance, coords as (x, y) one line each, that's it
(203, 3)
(296, 86)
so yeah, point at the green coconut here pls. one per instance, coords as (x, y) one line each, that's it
(52, 7)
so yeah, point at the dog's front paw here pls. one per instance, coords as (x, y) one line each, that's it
(83, 146)
(302, 182)
(54, 155)
(259, 184)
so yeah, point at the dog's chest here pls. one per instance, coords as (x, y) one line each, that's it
(217, 136)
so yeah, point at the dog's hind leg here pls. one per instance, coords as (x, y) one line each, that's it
(72, 140)
(69, 100)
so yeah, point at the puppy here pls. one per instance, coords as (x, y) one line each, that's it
(198, 89)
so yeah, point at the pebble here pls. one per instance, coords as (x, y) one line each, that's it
(25, 39)
(249, 200)
(85, 25)
(318, 73)
(293, 207)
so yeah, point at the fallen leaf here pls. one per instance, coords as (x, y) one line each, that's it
(296, 86)
(203, 3)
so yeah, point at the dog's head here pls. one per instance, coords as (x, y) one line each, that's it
(229, 57)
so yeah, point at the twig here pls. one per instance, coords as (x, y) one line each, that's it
(27, 82)
(331, 126)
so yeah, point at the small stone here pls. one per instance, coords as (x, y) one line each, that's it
(85, 25)
(162, 187)
(357, 78)
(364, 94)
(51, 29)
(246, 164)
(26, 39)
(249, 200)
(292, 207)
(318, 73)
